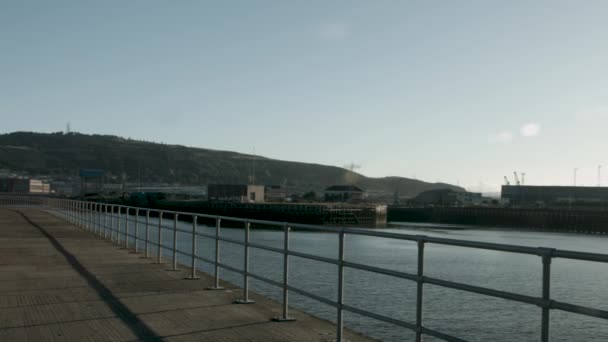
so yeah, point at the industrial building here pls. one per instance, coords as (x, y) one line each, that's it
(555, 196)
(239, 193)
(91, 181)
(65, 188)
(448, 197)
(343, 193)
(275, 193)
(24, 185)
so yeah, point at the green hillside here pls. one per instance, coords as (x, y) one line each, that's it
(59, 154)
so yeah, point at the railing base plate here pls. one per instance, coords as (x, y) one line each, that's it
(243, 301)
(283, 319)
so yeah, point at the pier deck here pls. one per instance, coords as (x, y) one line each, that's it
(60, 283)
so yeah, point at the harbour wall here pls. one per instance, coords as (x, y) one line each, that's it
(580, 221)
(336, 214)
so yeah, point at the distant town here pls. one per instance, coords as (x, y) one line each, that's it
(93, 183)
(339, 204)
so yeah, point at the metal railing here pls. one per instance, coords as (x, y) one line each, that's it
(94, 218)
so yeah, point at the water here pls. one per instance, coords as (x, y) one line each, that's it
(469, 316)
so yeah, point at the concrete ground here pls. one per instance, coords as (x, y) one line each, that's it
(60, 283)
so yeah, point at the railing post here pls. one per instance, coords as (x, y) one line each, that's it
(160, 237)
(340, 312)
(91, 217)
(94, 217)
(101, 219)
(98, 218)
(105, 221)
(193, 264)
(546, 254)
(126, 228)
(147, 249)
(216, 264)
(111, 223)
(77, 213)
(136, 229)
(419, 288)
(118, 226)
(83, 215)
(246, 299)
(87, 219)
(175, 218)
(285, 317)
(86, 215)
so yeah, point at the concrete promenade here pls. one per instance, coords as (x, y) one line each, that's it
(60, 283)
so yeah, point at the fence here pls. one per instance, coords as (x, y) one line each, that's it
(105, 221)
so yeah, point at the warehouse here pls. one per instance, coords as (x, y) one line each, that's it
(555, 196)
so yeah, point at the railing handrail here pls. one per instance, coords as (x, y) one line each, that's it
(82, 213)
(518, 249)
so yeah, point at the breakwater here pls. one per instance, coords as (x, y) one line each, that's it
(330, 214)
(578, 221)
(325, 214)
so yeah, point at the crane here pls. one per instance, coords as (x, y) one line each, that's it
(516, 178)
(507, 181)
(351, 177)
(352, 166)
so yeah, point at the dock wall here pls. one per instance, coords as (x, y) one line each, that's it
(322, 214)
(583, 221)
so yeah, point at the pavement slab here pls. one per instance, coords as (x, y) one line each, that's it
(62, 283)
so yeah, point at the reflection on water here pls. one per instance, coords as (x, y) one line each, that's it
(465, 315)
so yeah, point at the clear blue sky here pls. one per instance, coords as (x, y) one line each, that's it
(448, 91)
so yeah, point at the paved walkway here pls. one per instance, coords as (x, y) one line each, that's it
(60, 283)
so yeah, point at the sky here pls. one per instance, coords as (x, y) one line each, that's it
(463, 92)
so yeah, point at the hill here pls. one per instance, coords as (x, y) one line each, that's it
(140, 162)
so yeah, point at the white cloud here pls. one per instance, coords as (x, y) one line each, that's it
(530, 129)
(334, 31)
(500, 137)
